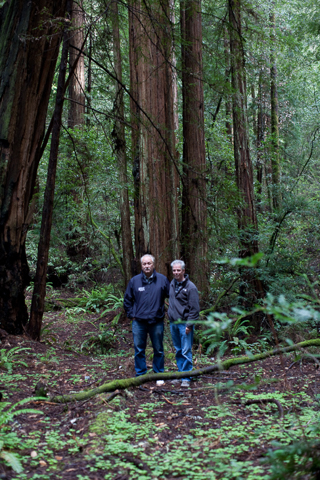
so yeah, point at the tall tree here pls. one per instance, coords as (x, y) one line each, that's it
(39, 291)
(153, 136)
(120, 149)
(260, 137)
(30, 35)
(194, 210)
(77, 79)
(247, 219)
(275, 157)
(251, 287)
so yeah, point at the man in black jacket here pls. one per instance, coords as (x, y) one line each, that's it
(183, 307)
(144, 304)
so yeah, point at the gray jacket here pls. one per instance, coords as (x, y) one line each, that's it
(184, 305)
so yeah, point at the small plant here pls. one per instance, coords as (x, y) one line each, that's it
(101, 342)
(221, 333)
(103, 297)
(47, 333)
(9, 358)
(10, 440)
(49, 357)
(299, 460)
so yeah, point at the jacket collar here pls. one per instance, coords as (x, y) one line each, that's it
(184, 282)
(154, 276)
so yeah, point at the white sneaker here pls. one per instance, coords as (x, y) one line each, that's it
(159, 383)
(185, 383)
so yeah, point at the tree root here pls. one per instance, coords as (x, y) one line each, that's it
(152, 377)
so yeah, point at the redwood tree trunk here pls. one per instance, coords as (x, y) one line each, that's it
(77, 80)
(120, 149)
(251, 287)
(39, 291)
(30, 34)
(194, 209)
(260, 139)
(247, 220)
(275, 157)
(153, 137)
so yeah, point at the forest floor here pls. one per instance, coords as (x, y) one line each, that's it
(151, 432)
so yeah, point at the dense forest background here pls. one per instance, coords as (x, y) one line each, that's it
(185, 130)
(127, 160)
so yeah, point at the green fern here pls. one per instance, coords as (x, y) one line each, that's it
(8, 439)
(9, 358)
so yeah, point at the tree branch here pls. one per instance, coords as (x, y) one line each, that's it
(152, 377)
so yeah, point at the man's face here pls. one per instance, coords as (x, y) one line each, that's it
(178, 272)
(147, 266)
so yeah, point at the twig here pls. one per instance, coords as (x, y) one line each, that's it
(164, 390)
(220, 297)
(168, 401)
(113, 394)
(263, 401)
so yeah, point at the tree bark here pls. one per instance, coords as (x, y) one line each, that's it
(119, 142)
(226, 43)
(260, 139)
(30, 34)
(77, 80)
(275, 156)
(194, 207)
(247, 220)
(39, 292)
(152, 377)
(153, 145)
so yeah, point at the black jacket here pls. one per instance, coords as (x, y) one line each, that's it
(185, 304)
(145, 301)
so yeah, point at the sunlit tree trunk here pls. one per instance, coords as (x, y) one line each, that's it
(153, 136)
(39, 291)
(120, 150)
(194, 209)
(275, 156)
(77, 81)
(30, 34)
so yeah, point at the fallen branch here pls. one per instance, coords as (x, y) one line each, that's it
(113, 395)
(153, 377)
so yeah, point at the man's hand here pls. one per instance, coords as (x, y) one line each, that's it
(188, 330)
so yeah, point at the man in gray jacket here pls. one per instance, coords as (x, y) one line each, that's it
(183, 307)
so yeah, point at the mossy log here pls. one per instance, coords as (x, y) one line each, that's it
(152, 377)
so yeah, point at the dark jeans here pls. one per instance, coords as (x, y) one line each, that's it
(183, 345)
(140, 332)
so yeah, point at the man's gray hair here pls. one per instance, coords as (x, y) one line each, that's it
(148, 255)
(179, 262)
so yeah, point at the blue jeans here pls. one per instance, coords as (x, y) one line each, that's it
(140, 332)
(183, 345)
